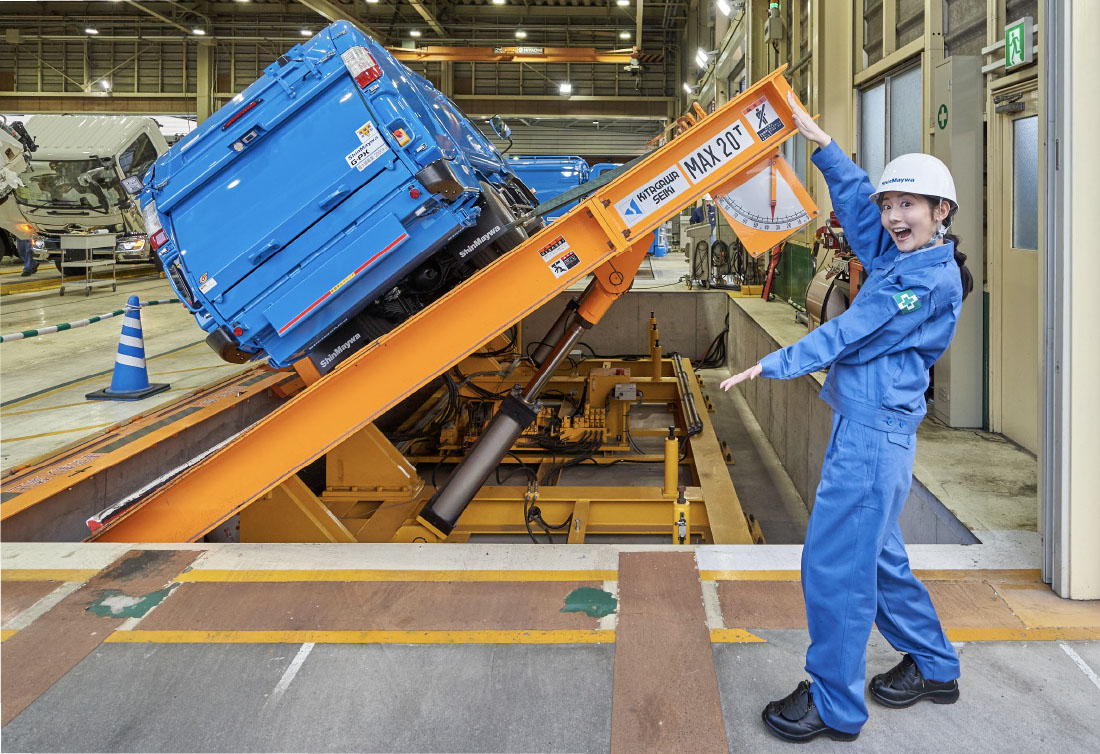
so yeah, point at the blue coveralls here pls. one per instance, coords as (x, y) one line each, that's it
(855, 570)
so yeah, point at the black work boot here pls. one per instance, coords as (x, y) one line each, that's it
(903, 685)
(795, 718)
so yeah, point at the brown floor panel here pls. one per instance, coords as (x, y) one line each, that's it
(367, 606)
(1041, 607)
(39, 655)
(762, 604)
(17, 596)
(662, 700)
(970, 604)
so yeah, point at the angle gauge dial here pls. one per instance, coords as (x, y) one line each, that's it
(765, 203)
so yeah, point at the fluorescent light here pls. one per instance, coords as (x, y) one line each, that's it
(198, 32)
(624, 35)
(414, 33)
(307, 33)
(687, 88)
(566, 88)
(521, 34)
(724, 7)
(91, 30)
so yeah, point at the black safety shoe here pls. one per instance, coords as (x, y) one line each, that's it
(903, 685)
(795, 718)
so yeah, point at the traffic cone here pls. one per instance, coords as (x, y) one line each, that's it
(130, 381)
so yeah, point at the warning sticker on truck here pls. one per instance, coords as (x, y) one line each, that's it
(763, 119)
(371, 147)
(716, 152)
(645, 200)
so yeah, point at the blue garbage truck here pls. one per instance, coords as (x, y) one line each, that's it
(332, 199)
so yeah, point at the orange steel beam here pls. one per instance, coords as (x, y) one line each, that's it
(390, 368)
(519, 54)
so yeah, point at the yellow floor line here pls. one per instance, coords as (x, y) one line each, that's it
(7, 633)
(563, 636)
(48, 574)
(245, 576)
(1014, 575)
(749, 576)
(60, 432)
(205, 368)
(1067, 633)
(4, 414)
(734, 636)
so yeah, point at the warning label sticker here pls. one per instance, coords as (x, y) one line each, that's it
(763, 119)
(715, 152)
(371, 147)
(207, 285)
(643, 201)
(554, 249)
(565, 264)
(560, 256)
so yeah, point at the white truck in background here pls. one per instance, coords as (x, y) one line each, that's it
(72, 187)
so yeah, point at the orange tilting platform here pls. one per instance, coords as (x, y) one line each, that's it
(605, 236)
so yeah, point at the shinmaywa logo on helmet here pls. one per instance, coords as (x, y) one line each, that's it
(899, 180)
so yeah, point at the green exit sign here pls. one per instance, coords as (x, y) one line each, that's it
(1018, 36)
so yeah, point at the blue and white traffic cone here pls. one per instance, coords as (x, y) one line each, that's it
(130, 381)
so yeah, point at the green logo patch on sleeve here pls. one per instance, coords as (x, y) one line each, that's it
(907, 301)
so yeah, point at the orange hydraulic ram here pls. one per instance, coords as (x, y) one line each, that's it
(598, 232)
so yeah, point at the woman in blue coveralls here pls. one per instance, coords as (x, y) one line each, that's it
(855, 570)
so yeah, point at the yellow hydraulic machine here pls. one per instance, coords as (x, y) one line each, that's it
(605, 237)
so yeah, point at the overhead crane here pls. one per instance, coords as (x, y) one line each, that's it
(606, 236)
(522, 54)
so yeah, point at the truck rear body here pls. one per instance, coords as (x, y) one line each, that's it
(317, 191)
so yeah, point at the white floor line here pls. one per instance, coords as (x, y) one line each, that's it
(38, 609)
(1081, 664)
(291, 671)
(711, 606)
(610, 622)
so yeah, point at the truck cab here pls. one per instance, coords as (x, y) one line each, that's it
(72, 185)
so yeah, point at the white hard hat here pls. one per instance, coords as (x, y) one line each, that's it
(918, 173)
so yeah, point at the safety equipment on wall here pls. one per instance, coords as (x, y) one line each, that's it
(918, 173)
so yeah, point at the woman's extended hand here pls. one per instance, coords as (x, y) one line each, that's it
(749, 374)
(806, 125)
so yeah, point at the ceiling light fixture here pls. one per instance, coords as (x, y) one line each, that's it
(622, 3)
(498, 2)
(105, 84)
(702, 57)
(565, 88)
(521, 34)
(91, 30)
(198, 32)
(689, 89)
(724, 7)
(624, 35)
(307, 33)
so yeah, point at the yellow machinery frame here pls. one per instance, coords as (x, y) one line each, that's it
(606, 236)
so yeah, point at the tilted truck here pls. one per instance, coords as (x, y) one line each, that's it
(328, 202)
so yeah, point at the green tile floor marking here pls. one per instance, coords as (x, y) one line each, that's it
(595, 602)
(115, 604)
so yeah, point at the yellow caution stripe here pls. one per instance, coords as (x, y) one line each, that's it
(48, 574)
(258, 576)
(7, 633)
(562, 636)
(1065, 633)
(734, 636)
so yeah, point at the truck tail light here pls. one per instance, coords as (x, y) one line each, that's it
(361, 65)
(158, 239)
